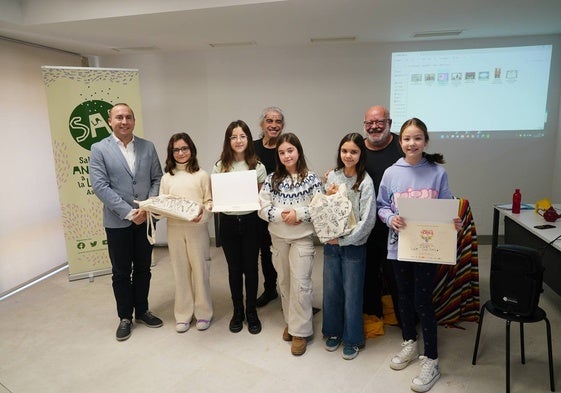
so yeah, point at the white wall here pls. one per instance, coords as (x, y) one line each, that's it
(31, 235)
(324, 91)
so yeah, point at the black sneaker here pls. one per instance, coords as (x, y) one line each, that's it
(253, 323)
(149, 320)
(124, 329)
(236, 323)
(266, 297)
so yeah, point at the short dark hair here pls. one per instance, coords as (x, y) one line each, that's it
(121, 104)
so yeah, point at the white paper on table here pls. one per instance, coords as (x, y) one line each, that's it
(234, 191)
(429, 234)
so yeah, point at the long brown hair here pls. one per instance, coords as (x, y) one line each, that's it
(280, 172)
(358, 140)
(192, 164)
(227, 156)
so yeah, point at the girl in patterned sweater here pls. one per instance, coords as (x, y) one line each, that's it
(285, 197)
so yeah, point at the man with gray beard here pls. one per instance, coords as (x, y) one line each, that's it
(272, 124)
(382, 150)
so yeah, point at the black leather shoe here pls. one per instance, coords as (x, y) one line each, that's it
(149, 320)
(236, 323)
(253, 323)
(124, 329)
(266, 297)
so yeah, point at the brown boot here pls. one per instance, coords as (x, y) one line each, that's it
(285, 335)
(298, 345)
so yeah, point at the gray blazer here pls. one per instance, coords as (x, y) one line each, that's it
(115, 185)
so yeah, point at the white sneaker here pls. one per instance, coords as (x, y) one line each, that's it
(409, 352)
(182, 327)
(203, 324)
(430, 372)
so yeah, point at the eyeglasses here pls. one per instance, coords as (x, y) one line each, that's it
(370, 123)
(271, 121)
(238, 137)
(183, 150)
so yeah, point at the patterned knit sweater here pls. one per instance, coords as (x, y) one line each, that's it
(292, 195)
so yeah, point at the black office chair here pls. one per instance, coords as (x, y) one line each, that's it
(516, 284)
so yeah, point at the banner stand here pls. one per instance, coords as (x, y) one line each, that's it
(79, 99)
(89, 275)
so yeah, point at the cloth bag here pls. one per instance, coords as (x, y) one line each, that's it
(169, 206)
(332, 215)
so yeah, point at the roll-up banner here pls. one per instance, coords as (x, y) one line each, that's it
(78, 101)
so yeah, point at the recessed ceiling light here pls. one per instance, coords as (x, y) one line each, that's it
(136, 49)
(333, 39)
(437, 33)
(228, 44)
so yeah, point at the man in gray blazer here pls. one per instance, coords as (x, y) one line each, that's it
(124, 168)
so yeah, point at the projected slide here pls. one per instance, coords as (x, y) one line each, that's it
(473, 90)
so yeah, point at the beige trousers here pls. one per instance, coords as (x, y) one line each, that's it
(188, 250)
(293, 260)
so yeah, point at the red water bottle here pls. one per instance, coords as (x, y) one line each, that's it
(516, 200)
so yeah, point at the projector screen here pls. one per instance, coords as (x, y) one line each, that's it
(473, 93)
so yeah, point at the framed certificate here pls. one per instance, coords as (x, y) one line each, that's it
(429, 234)
(234, 191)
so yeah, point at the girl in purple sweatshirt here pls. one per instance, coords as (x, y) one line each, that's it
(417, 175)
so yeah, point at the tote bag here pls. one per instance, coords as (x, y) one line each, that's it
(171, 206)
(167, 206)
(332, 215)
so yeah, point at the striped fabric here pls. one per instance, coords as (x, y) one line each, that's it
(456, 295)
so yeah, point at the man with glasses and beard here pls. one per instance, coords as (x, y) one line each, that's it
(382, 150)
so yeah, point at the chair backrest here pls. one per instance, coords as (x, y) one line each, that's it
(516, 279)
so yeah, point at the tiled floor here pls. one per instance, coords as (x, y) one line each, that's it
(59, 336)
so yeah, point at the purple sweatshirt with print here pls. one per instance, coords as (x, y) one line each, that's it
(402, 180)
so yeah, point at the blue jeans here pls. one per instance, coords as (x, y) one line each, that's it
(343, 282)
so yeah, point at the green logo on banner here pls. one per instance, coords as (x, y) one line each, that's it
(88, 122)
